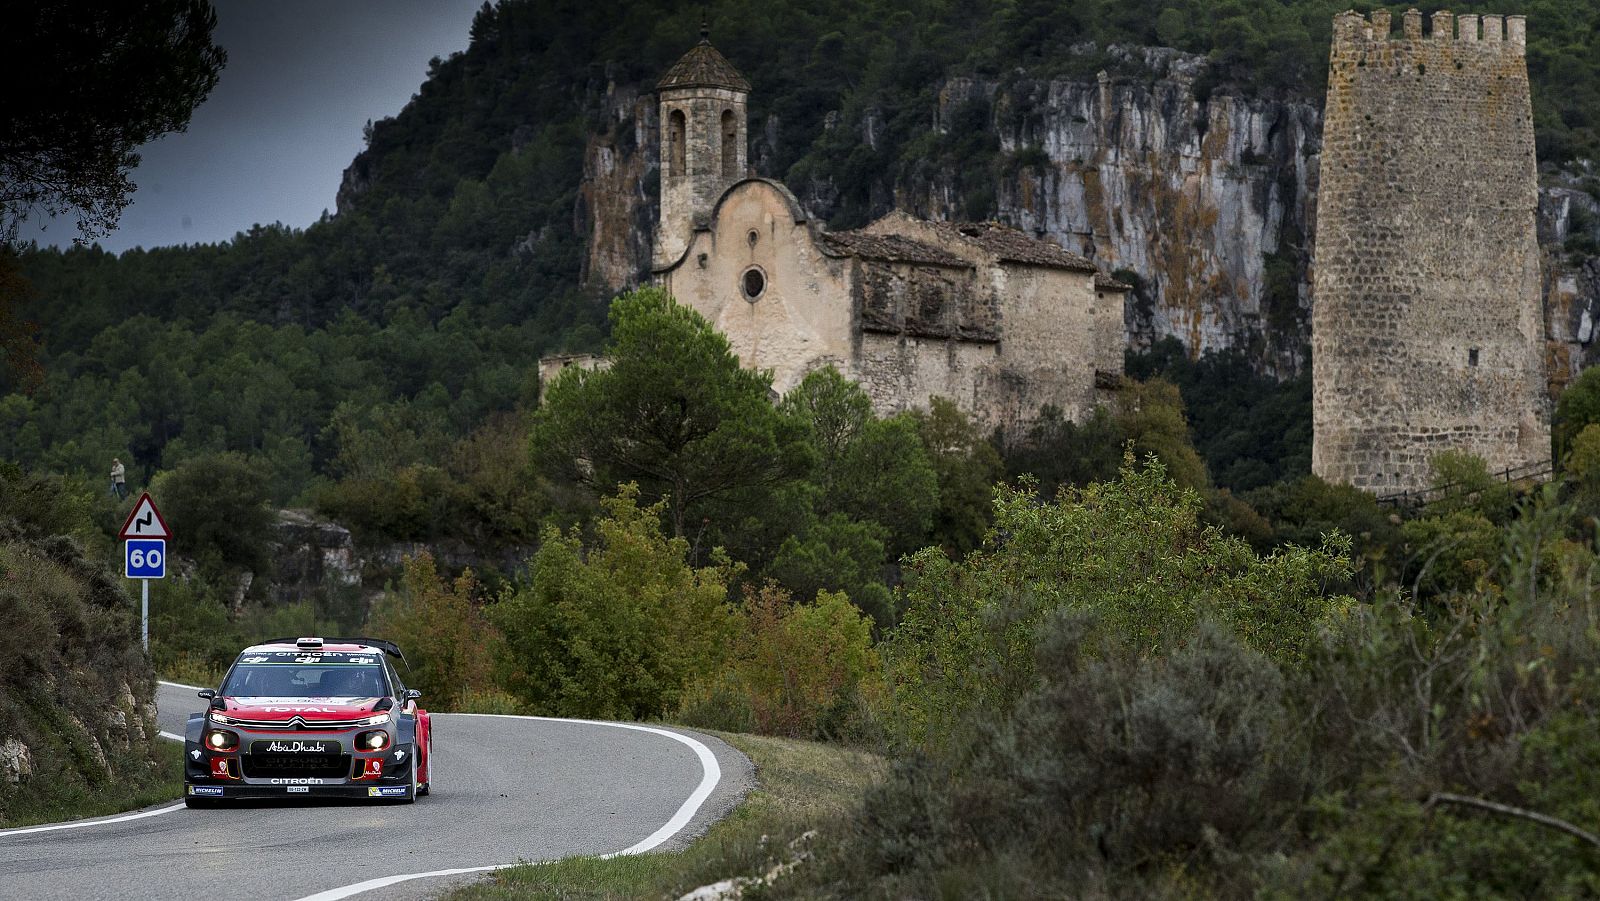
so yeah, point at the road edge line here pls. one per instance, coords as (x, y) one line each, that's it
(99, 821)
(711, 775)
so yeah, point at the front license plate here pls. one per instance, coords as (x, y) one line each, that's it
(298, 789)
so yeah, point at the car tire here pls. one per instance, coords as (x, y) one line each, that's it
(426, 788)
(412, 797)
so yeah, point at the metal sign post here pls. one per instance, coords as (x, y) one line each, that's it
(144, 555)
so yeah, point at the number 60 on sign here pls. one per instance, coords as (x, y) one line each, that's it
(145, 558)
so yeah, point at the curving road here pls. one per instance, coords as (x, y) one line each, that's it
(507, 789)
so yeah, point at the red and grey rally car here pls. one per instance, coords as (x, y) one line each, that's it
(299, 717)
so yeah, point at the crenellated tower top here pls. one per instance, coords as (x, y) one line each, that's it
(1506, 34)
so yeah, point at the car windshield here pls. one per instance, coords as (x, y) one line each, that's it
(299, 674)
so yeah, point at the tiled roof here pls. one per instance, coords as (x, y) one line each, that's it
(1103, 282)
(1012, 246)
(889, 248)
(703, 67)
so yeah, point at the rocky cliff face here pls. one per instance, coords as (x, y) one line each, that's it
(1206, 196)
(1198, 197)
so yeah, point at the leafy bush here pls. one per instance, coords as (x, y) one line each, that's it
(1399, 751)
(450, 646)
(615, 629)
(1133, 552)
(1114, 768)
(795, 669)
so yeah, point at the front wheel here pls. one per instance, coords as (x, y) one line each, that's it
(411, 797)
(427, 787)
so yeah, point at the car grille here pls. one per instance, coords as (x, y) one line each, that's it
(298, 724)
(266, 766)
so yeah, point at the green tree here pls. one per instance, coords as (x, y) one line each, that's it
(216, 506)
(1577, 408)
(835, 408)
(1057, 452)
(1582, 467)
(450, 647)
(837, 553)
(616, 629)
(1151, 415)
(118, 79)
(884, 477)
(967, 467)
(674, 412)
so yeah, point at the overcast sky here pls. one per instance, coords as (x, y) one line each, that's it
(285, 118)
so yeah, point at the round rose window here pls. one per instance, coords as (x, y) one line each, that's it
(753, 283)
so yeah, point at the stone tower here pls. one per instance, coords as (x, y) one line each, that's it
(1426, 330)
(703, 142)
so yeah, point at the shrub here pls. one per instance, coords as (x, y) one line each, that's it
(75, 687)
(1133, 552)
(796, 669)
(449, 644)
(618, 628)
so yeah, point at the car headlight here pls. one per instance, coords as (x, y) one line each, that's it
(376, 740)
(380, 719)
(223, 719)
(221, 740)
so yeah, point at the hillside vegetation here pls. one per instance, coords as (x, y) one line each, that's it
(77, 714)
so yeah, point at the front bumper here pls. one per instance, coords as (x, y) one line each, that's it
(238, 791)
(349, 773)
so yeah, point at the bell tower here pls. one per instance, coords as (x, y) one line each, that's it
(703, 141)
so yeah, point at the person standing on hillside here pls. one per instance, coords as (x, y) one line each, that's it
(119, 481)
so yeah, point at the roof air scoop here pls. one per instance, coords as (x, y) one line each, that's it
(309, 644)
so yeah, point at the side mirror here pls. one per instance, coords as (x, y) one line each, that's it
(206, 693)
(412, 694)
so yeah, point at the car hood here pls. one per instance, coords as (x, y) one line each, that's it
(308, 709)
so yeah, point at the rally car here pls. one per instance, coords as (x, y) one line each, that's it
(309, 717)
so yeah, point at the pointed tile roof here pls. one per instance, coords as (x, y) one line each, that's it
(703, 67)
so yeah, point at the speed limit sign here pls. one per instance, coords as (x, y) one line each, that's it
(145, 558)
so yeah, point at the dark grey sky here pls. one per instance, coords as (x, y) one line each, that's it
(270, 143)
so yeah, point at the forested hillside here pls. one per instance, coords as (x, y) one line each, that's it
(458, 252)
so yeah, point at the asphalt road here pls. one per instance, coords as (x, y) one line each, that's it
(506, 790)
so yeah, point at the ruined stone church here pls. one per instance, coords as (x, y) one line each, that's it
(1001, 323)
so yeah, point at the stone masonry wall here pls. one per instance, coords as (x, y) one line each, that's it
(693, 177)
(1427, 327)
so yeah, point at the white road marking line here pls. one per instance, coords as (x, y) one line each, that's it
(26, 830)
(708, 782)
(79, 824)
(179, 685)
